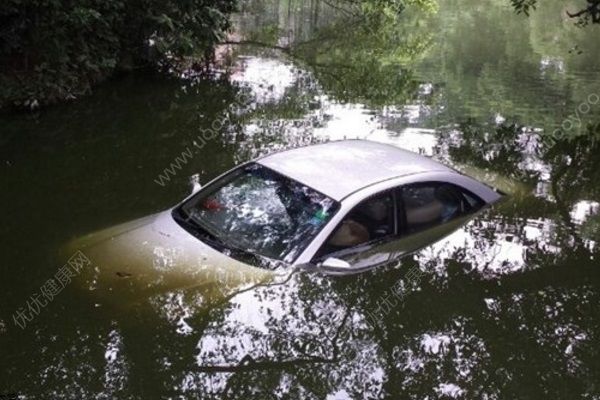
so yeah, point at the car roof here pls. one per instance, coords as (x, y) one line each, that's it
(340, 168)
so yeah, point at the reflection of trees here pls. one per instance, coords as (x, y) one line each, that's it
(518, 69)
(480, 324)
(361, 54)
(588, 14)
(461, 330)
(342, 52)
(438, 335)
(295, 329)
(468, 329)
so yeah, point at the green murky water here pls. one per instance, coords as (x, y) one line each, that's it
(507, 307)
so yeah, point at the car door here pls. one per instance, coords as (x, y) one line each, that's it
(364, 238)
(429, 211)
(402, 220)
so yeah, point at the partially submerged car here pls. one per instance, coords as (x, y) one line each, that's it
(339, 207)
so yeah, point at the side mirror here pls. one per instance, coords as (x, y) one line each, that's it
(331, 266)
(335, 264)
(195, 183)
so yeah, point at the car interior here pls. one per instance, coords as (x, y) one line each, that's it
(425, 206)
(428, 205)
(370, 220)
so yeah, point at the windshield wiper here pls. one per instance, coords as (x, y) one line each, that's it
(201, 232)
(196, 229)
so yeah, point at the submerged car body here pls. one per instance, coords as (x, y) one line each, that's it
(340, 207)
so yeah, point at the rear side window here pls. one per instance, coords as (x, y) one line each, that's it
(429, 204)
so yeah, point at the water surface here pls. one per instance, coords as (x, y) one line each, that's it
(507, 307)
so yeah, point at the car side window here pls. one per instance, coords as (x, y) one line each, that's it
(372, 219)
(433, 203)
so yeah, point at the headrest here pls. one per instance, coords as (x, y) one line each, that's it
(350, 233)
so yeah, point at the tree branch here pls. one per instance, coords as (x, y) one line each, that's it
(256, 43)
(593, 9)
(252, 365)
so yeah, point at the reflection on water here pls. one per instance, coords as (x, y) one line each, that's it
(507, 307)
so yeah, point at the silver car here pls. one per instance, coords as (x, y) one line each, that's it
(339, 207)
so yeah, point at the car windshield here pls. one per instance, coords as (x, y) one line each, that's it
(257, 210)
